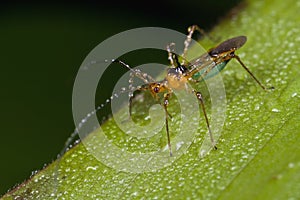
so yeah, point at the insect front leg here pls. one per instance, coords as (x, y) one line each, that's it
(131, 96)
(131, 91)
(136, 72)
(166, 103)
(200, 99)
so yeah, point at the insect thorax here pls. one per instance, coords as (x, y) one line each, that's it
(176, 78)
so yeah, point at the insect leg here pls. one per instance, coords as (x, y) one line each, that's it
(166, 103)
(188, 39)
(199, 97)
(131, 92)
(170, 50)
(131, 97)
(252, 75)
(137, 72)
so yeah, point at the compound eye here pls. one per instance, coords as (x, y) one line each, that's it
(156, 89)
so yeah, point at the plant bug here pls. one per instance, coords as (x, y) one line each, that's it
(203, 67)
(179, 75)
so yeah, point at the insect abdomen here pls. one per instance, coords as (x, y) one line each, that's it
(215, 70)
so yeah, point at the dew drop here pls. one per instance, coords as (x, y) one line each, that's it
(91, 168)
(291, 165)
(294, 94)
(240, 76)
(178, 145)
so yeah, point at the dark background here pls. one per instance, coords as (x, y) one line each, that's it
(42, 46)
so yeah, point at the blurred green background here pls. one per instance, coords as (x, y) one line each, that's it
(42, 47)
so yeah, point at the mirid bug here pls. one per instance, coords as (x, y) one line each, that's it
(179, 74)
(203, 67)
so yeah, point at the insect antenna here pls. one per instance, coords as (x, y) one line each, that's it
(146, 78)
(86, 118)
(133, 73)
(137, 72)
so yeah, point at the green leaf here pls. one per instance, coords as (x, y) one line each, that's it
(258, 151)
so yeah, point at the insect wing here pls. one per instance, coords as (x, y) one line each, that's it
(228, 45)
(199, 63)
(200, 67)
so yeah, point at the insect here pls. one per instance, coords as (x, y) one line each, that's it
(182, 73)
(203, 67)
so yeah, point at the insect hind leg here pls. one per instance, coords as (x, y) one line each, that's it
(251, 74)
